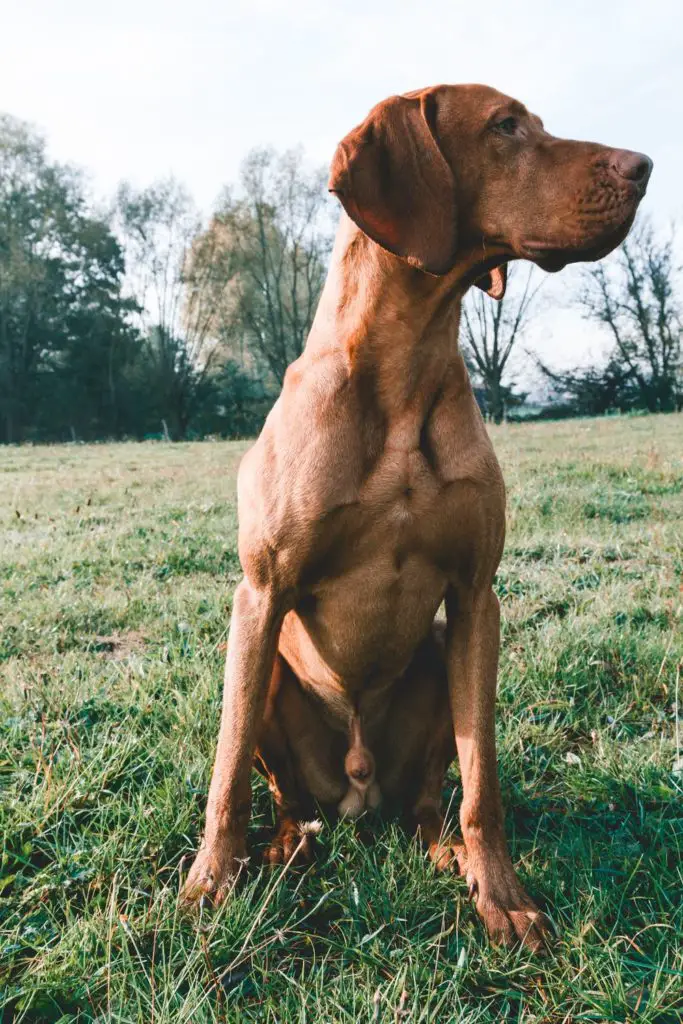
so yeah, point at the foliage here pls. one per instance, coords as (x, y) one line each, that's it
(146, 323)
(278, 232)
(237, 403)
(636, 296)
(159, 226)
(64, 329)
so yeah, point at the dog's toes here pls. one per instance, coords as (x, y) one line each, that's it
(529, 928)
(290, 845)
(448, 855)
(211, 876)
(534, 930)
(273, 854)
(510, 917)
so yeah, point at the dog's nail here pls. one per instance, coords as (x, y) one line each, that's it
(472, 891)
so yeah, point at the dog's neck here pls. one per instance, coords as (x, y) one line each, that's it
(396, 326)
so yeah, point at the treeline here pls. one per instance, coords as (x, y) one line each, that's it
(141, 320)
(635, 296)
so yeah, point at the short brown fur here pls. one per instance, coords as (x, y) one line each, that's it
(373, 493)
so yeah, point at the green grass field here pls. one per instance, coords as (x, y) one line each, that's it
(118, 563)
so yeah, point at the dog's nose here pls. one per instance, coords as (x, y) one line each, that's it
(636, 167)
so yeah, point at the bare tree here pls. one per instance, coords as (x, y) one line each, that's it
(276, 235)
(175, 293)
(490, 331)
(637, 297)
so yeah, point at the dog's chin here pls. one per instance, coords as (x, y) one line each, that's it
(551, 257)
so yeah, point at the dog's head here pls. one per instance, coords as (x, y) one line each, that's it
(454, 171)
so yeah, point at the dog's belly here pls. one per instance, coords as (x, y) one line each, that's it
(360, 632)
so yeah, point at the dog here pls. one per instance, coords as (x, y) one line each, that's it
(373, 494)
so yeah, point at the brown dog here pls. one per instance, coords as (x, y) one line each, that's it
(373, 493)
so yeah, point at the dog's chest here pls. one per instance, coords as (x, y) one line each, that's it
(382, 573)
(406, 529)
(402, 490)
(408, 522)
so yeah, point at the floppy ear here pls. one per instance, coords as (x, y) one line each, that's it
(394, 182)
(494, 282)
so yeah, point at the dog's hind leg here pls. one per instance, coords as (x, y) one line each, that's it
(275, 760)
(446, 852)
(418, 749)
(302, 759)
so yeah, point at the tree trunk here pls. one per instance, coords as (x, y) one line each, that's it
(496, 401)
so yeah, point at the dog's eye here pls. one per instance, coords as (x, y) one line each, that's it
(508, 126)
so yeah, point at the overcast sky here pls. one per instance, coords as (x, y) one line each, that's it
(139, 89)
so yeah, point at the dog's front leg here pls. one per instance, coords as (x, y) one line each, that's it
(252, 643)
(473, 638)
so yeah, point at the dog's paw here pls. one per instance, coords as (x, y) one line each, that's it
(448, 855)
(509, 915)
(213, 874)
(291, 844)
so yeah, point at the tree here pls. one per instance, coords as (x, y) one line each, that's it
(60, 295)
(591, 390)
(275, 236)
(491, 329)
(637, 297)
(174, 293)
(86, 374)
(236, 403)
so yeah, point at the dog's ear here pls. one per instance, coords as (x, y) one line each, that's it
(494, 282)
(394, 182)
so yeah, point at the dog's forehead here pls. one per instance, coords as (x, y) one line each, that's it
(477, 102)
(470, 103)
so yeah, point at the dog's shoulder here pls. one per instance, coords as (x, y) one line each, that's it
(457, 437)
(304, 466)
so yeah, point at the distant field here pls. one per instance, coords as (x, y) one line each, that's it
(118, 563)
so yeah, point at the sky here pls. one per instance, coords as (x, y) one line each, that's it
(140, 89)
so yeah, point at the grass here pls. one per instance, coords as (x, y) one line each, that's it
(117, 565)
